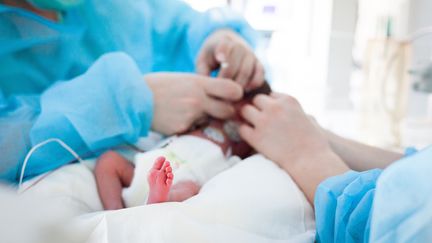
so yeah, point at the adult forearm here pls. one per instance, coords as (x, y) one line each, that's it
(359, 156)
(309, 171)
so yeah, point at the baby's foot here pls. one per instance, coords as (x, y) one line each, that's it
(160, 179)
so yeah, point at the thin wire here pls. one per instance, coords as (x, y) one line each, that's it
(37, 146)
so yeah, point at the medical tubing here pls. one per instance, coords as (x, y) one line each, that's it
(37, 146)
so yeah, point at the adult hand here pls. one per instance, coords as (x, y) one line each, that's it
(182, 99)
(228, 51)
(279, 129)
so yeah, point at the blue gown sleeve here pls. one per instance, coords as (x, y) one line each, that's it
(108, 105)
(403, 201)
(184, 30)
(343, 207)
(161, 36)
(17, 116)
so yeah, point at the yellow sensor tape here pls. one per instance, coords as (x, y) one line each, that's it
(174, 159)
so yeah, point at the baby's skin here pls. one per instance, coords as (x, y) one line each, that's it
(113, 172)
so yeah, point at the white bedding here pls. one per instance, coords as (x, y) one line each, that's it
(254, 201)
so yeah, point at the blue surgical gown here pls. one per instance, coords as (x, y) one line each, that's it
(81, 79)
(394, 205)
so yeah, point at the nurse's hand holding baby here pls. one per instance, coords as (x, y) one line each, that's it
(181, 99)
(279, 129)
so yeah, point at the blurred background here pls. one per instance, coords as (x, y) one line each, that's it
(363, 68)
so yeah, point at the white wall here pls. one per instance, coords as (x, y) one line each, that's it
(344, 19)
(298, 53)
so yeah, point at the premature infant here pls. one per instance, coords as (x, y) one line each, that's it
(198, 155)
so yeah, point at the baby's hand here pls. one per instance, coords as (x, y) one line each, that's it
(112, 172)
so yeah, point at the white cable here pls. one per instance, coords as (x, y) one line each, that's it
(29, 154)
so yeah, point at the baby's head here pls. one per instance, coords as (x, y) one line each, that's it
(230, 127)
(224, 133)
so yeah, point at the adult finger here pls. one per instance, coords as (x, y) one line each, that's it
(247, 133)
(205, 62)
(277, 95)
(222, 52)
(245, 72)
(251, 114)
(218, 109)
(258, 76)
(287, 99)
(224, 89)
(261, 101)
(232, 63)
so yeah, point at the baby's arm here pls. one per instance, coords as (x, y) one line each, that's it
(113, 172)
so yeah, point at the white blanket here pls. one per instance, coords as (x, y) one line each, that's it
(254, 201)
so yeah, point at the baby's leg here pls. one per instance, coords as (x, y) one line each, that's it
(112, 173)
(160, 179)
(183, 190)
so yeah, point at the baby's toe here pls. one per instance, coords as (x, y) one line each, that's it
(159, 162)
